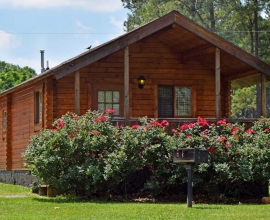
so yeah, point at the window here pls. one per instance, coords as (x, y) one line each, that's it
(38, 107)
(182, 101)
(108, 97)
(109, 100)
(174, 101)
(4, 121)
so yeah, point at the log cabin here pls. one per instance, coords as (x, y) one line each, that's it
(186, 71)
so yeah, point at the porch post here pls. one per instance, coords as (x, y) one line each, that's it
(77, 92)
(263, 95)
(217, 82)
(126, 85)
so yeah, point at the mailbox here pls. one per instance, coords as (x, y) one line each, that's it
(190, 155)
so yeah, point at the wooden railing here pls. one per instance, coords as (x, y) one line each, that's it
(176, 122)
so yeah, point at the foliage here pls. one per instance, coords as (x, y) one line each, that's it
(62, 208)
(244, 102)
(91, 156)
(238, 157)
(240, 22)
(12, 75)
(79, 154)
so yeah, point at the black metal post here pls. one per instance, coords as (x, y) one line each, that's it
(189, 168)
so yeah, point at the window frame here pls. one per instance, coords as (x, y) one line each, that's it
(4, 121)
(107, 87)
(192, 100)
(38, 90)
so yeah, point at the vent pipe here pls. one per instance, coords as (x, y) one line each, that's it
(47, 65)
(42, 61)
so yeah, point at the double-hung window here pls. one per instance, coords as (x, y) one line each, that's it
(174, 101)
(108, 97)
(38, 107)
(4, 122)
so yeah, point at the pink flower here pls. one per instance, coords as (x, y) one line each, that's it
(222, 122)
(206, 138)
(212, 150)
(174, 131)
(140, 155)
(188, 136)
(155, 123)
(71, 135)
(202, 121)
(223, 139)
(110, 111)
(226, 145)
(101, 119)
(61, 124)
(95, 133)
(191, 125)
(266, 130)
(184, 127)
(165, 123)
(135, 126)
(249, 131)
(204, 131)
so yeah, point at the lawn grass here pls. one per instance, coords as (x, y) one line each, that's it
(17, 202)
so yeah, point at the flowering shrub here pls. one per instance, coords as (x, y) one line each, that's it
(78, 154)
(239, 159)
(146, 148)
(90, 155)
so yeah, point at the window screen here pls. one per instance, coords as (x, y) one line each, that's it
(182, 101)
(165, 102)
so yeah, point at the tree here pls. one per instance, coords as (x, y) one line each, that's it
(244, 102)
(12, 75)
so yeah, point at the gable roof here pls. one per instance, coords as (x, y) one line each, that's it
(178, 32)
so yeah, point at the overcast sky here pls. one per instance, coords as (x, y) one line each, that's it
(63, 28)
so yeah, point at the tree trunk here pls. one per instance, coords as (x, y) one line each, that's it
(212, 17)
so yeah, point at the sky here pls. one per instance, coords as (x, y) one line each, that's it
(63, 28)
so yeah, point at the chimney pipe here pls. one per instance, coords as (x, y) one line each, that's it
(47, 65)
(42, 61)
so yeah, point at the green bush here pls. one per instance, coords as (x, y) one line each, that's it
(89, 155)
(80, 153)
(239, 159)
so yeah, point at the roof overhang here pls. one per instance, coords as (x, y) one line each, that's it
(173, 20)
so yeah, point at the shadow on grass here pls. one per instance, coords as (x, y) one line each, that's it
(206, 207)
(97, 201)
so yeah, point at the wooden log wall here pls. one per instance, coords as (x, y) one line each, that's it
(160, 65)
(22, 123)
(3, 141)
(20, 108)
(65, 94)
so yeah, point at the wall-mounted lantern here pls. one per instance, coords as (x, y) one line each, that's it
(190, 156)
(141, 81)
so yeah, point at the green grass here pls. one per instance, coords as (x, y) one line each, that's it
(18, 203)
